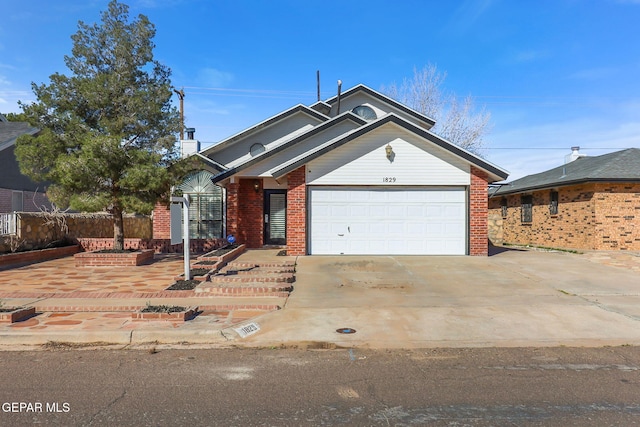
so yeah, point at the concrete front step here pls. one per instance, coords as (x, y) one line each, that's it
(254, 278)
(247, 289)
(257, 270)
(241, 264)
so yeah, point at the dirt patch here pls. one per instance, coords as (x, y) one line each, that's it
(310, 345)
(366, 266)
(163, 309)
(372, 284)
(183, 285)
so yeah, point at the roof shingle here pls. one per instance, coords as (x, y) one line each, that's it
(619, 166)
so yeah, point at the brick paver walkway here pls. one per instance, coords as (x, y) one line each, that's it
(89, 299)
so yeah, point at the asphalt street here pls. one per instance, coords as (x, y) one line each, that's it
(293, 387)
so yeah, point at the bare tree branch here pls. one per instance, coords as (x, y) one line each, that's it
(456, 121)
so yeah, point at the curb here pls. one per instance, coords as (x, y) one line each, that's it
(130, 337)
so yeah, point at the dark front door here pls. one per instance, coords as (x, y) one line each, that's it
(275, 217)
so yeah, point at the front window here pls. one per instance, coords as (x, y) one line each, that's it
(205, 206)
(527, 209)
(553, 204)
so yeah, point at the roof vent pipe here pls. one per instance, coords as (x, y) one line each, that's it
(575, 155)
(339, 89)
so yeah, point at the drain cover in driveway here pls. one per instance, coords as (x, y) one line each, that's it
(346, 331)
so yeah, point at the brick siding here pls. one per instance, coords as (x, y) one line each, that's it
(590, 217)
(297, 212)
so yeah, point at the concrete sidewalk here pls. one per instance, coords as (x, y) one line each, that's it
(514, 298)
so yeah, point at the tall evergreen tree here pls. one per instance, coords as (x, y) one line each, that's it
(108, 129)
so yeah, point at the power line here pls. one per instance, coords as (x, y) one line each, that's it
(554, 148)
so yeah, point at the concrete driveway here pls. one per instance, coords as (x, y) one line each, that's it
(513, 298)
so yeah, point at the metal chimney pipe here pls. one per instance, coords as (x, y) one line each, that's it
(190, 132)
(339, 89)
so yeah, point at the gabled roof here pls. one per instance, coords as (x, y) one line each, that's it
(264, 124)
(317, 129)
(12, 178)
(620, 166)
(10, 131)
(362, 88)
(494, 171)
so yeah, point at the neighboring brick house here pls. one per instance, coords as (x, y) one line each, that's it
(17, 192)
(590, 203)
(356, 174)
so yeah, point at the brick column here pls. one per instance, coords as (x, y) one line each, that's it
(297, 212)
(250, 211)
(478, 214)
(232, 209)
(161, 221)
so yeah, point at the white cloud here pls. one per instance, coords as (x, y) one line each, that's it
(530, 55)
(467, 14)
(213, 78)
(594, 73)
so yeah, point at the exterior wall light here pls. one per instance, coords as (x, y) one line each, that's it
(256, 185)
(389, 152)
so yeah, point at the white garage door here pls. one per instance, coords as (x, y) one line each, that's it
(388, 221)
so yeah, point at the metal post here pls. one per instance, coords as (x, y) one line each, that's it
(180, 94)
(184, 201)
(187, 261)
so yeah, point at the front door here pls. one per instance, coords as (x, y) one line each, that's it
(275, 217)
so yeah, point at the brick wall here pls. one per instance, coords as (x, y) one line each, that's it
(161, 221)
(5, 200)
(250, 214)
(590, 216)
(31, 201)
(617, 217)
(478, 223)
(297, 212)
(196, 246)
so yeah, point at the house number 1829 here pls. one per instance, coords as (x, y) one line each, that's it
(389, 179)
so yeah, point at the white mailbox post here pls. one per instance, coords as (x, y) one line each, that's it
(178, 235)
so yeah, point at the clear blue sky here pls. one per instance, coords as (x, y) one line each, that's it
(552, 73)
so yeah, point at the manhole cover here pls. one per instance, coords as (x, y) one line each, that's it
(346, 331)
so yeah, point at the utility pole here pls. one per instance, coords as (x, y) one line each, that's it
(180, 94)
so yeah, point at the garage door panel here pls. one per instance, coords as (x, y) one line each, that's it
(397, 210)
(388, 221)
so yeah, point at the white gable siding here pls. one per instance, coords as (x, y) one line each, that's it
(270, 145)
(239, 150)
(265, 167)
(381, 108)
(363, 161)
